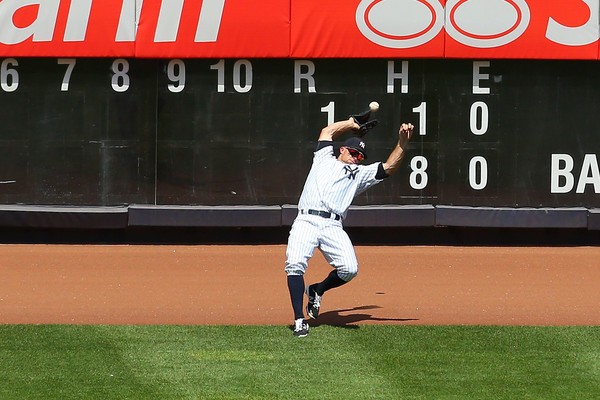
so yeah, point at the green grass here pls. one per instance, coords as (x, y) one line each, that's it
(267, 362)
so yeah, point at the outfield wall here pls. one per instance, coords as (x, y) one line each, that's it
(386, 216)
(155, 113)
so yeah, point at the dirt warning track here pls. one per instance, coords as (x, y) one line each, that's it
(230, 284)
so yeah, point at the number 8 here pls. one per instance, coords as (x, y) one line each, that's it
(418, 176)
(120, 79)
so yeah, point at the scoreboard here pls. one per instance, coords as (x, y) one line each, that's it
(100, 131)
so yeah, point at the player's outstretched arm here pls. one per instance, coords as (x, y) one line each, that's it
(404, 135)
(332, 131)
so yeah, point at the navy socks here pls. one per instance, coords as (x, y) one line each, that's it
(332, 281)
(296, 286)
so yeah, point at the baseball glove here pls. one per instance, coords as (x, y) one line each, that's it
(365, 125)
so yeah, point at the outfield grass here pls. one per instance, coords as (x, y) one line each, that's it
(267, 362)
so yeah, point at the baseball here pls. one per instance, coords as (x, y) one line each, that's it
(374, 106)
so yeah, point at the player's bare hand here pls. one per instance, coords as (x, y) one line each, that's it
(354, 125)
(405, 133)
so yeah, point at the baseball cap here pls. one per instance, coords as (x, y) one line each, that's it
(357, 144)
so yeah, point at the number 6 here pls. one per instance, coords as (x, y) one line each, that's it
(6, 72)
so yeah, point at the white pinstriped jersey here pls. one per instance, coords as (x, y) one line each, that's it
(331, 185)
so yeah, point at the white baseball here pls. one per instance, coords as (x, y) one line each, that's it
(374, 106)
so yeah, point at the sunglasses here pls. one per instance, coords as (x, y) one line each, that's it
(358, 155)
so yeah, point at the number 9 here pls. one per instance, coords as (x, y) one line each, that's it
(176, 74)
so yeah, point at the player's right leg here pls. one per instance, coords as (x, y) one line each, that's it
(302, 242)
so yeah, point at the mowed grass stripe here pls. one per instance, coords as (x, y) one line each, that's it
(267, 362)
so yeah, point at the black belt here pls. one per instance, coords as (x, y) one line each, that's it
(324, 214)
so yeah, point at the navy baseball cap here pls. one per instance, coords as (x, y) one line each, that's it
(356, 143)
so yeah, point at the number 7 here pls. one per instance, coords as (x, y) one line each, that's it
(70, 63)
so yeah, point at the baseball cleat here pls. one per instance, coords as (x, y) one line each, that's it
(300, 328)
(314, 302)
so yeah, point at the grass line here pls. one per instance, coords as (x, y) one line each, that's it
(266, 362)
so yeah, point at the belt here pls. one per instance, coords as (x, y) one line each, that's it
(324, 214)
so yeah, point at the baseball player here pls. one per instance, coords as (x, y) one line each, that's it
(330, 187)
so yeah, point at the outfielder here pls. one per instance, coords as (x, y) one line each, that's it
(330, 187)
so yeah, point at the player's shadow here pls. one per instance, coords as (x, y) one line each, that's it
(347, 318)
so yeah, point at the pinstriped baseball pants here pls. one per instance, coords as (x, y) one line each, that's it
(309, 232)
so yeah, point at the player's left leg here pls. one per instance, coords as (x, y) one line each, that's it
(339, 252)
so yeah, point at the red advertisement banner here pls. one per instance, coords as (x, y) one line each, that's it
(67, 28)
(145, 28)
(367, 29)
(548, 29)
(544, 29)
(214, 29)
